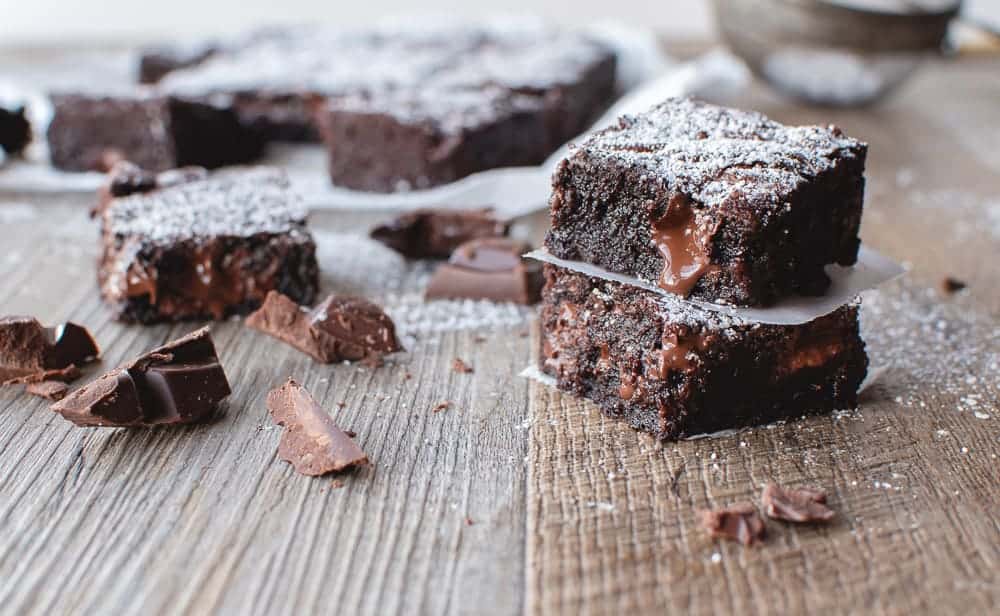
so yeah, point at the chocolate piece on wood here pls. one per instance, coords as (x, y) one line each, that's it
(311, 442)
(488, 268)
(337, 329)
(795, 504)
(739, 522)
(28, 348)
(50, 390)
(15, 130)
(154, 131)
(156, 62)
(436, 233)
(205, 246)
(714, 203)
(674, 369)
(179, 383)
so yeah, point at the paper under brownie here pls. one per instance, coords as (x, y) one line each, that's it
(670, 368)
(91, 131)
(192, 246)
(713, 203)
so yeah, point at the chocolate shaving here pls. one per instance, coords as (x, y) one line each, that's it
(795, 504)
(739, 522)
(311, 442)
(460, 366)
(339, 328)
(436, 233)
(51, 390)
(490, 269)
(30, 351)
(181, 382)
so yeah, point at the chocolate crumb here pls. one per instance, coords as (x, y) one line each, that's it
(479, 339)
(336, 484)
(341, 404)
(351, 433)
(460, 366)
(50, 390)
(952, 285)
(795, 504)
(441, 406)
(469, 522)
(407, 376)
(739, 522)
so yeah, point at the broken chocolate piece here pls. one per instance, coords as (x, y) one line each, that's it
(436, 233)
(490, 269)
(795, 504)
(312, 443)
(28, 348)
(51, 390)
(15, 130)
(952, 285)
(337, 329)
(181, 382)
(739, 522)
(460, 366)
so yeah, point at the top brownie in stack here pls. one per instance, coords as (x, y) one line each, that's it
(187, 245)
(712, 203)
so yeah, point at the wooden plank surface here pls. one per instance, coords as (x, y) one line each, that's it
(913, 474)
(519, 499)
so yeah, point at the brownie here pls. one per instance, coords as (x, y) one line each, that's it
(672, 369)
(15, 130)
(713, 203)
(205, 246)
(435, 233)
(156, 132)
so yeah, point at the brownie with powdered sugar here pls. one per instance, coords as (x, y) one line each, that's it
(185, 245)
(712, 203)
(671, 368)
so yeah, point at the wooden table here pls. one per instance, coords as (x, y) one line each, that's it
(518, 499)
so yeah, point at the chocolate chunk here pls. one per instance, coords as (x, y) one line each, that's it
(739, 522)
(460, 366)
(337, 329)
(28, 348)
(795, 504)
(181, 382)
(15, 130)
(435, 234)
(51, 390)
(952, 285)
(488, 268)
(312, 443)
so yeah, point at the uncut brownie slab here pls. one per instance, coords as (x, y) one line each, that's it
(713, 203)
(193, 246)
(672, 369)
(91, 131)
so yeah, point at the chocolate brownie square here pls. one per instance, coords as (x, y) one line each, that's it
(156, 132)
(672, 369)
(713, 203)
(192, 246)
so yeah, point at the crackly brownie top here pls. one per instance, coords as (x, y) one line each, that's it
(713, 153)
(237, 203)
(517, 54)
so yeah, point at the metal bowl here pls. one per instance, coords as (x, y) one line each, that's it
(829, 52)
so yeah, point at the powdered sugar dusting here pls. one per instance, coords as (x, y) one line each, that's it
(714, 153)
(238, 203)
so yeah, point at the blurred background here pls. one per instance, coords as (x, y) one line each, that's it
(47, 21)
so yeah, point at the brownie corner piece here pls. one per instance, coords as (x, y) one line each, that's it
(713, 203)
(197, 246)
(89, 132)
(672, 369)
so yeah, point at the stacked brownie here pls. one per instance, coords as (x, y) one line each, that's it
(397, 107)
(184, 244)
(714, 204)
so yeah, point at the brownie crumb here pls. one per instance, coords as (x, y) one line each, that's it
(952, 285)
(739, 522)
(441, 406)
(469, 522)
(460, 366)
(50, 390)
(795, 504)
(351, 433)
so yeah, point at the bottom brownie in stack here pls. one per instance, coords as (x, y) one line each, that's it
(673, 369)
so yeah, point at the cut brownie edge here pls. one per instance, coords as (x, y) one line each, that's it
(674, 370)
